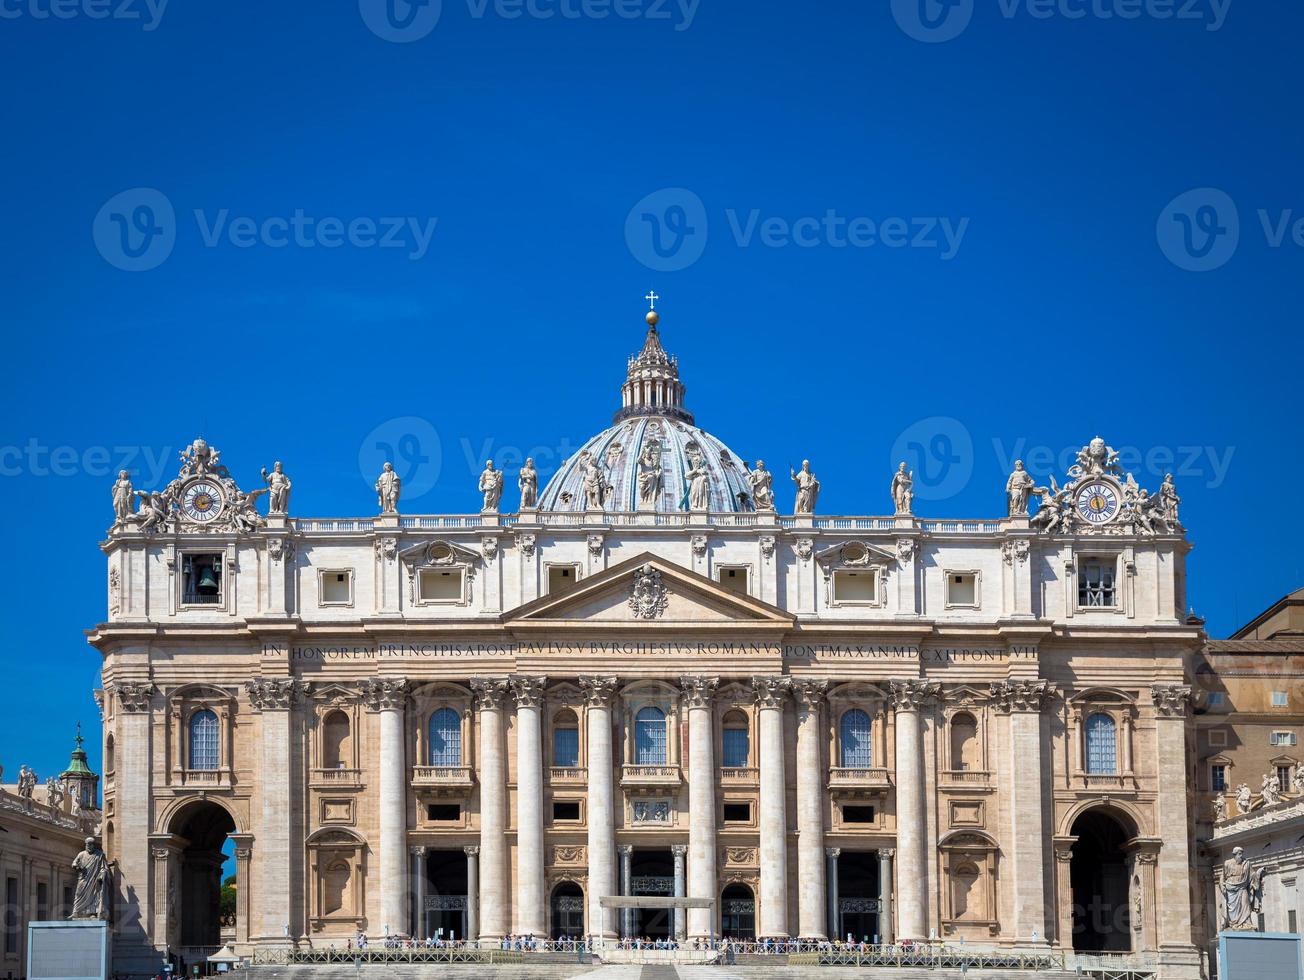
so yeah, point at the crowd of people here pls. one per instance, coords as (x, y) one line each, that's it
(763, 946)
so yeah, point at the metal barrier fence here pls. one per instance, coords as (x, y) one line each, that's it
(412, 954)
(928, 957)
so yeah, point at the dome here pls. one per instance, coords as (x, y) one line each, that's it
(654, 438)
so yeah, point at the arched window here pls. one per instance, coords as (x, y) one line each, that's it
(203, 740)
(1102, 745)
(445, 738)
(735, 743)
(336, 752)
(109, 755)
(650, 737)
(566, 740)
(855, 737)
(964, 741)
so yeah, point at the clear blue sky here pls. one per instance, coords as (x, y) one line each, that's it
(777, 144)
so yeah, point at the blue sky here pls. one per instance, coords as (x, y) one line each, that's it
(951, 234)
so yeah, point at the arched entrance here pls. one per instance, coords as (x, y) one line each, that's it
(194, 900)
(567, 911)
(446, 912)
(738, 913)
(1098, 876)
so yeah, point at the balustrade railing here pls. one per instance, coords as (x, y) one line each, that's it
(858, 776)
(441, 775)
(739, 774)
(673, 519)
(568, 774)
(337, 776)
(659, 775)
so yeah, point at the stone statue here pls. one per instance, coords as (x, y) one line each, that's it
(1242, 893)
(1169, 501)
(699, 486)
(1297, 780)
(1017, 489)
(278, 486)
(903, 489)
(1052, 511)
(26, 782)
(124, 498)
(808, 489)
(1218, 806)
(491, 485)
(1242, 798)
(528, 483)
(595, 485)
(1095, 459)
(649, 475)
(54, 793)
(154, 510)
(91, 898)
(762, 481)
(1269, 790)
(388, 486)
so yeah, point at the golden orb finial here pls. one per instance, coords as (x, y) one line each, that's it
(653, 318)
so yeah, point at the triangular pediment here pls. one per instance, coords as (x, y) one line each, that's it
(649, 591)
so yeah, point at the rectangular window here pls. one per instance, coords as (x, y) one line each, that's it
(336, 588)
(565, 810)
(561, 577)
(201, 580)
(857, 814)
(735, 751)
(1218, 737)
(1096, 584)
(11, 915)
(1218, 779)
(1216, 699)
(1280, 700)
(443, 812)
(1283, 779)
(1291, 925)
(440, 585)
(962, 589)
(566, 748)
(854, 587)
(42, 901)
(737, 813)
(734, 579)
(1281, 738)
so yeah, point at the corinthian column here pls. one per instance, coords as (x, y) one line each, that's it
(598, 692)
(811, 913)
(274, 698)
(1023, 701)
(698, 692)
(490, 697)
(1171, 702)
(389, 697)
(770, 693)
(529, 803)
(909, 697)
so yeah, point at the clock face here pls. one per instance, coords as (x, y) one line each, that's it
(201, 502)
(1098, 503)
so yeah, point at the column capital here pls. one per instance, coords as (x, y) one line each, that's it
(471, 850)
(809, 692)
(417, 850)
(832, 852)
(679, 850)
(385, 693)
(598, 691)
(625, 849)
(274, 693)
(913, 694)
(133, 697)
(528, 691)
(698, 692)
(887, 853)
(490, 692)
(769, 691)
(1026, 696)
(1171, 700)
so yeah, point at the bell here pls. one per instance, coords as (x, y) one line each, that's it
(207, 581)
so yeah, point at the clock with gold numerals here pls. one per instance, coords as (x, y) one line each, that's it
(202, 502)
(1098, 502)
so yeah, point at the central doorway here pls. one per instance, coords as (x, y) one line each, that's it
(446, 911)
(204, 826)
(857, 912)
(738, 913)
(567, 911)
(652, 873)
(1098, 876)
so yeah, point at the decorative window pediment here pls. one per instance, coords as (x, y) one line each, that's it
(440, 572)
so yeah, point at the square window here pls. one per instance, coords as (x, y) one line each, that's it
(855, 587)
(565, 810)
(337, 588)
(734, 579)
(440, 585)
(962, 589)
(1216, 699)
(1218, 736)
(443, 812)
(1096, 584)
(1218, 778)
(201, 580)
(857, 814)
(737, 813)
(1280, 699)
(562, 577)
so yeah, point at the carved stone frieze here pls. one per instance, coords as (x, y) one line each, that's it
(489, 546)
(386, 549)
(767, 546)
(596, 544)
(745, 856)
(564, 854)
(1016, 550)
(699, 545)
(279, 549)
(526, 541)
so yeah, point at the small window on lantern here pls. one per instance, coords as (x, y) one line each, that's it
(201, 580)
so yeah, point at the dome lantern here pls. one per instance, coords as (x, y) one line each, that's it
(652, 385)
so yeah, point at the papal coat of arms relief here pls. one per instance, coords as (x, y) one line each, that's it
(648, 596)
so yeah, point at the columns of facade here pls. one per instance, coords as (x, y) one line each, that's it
(698, 693)
(1172, 896)
(679, 851)
(129, 708)
(389, 697)
(491, 694)
(773, 911)
(274, 698)
(812, 914)
(598, 693)
(243, 885)
(910, 698)
(835, 923)
(626, 888)
(885, 933)
(530, 884)
(1063, 847)
(472, 892)
(1022, 701)
(419, 899)
(166, 851)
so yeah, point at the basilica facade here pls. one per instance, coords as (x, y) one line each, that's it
(651, 676)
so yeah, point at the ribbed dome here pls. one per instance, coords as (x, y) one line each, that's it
(617, 451)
